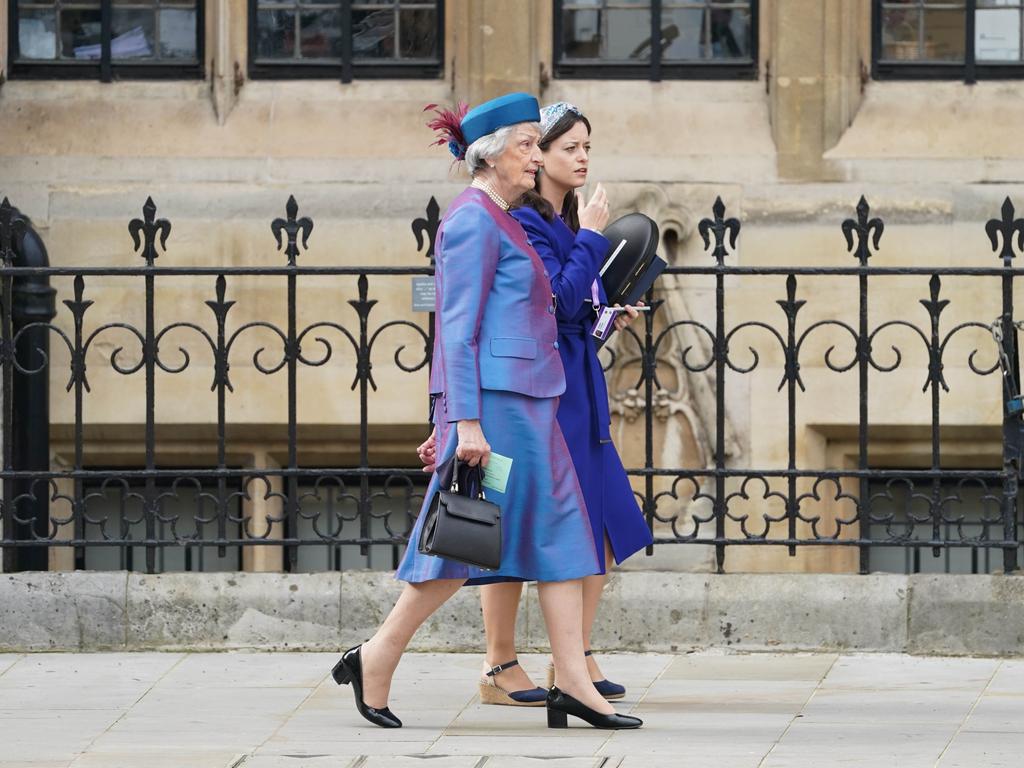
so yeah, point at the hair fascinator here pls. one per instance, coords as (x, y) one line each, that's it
(448, 127)
(552, 113)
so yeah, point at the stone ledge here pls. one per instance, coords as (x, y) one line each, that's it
(642, 611)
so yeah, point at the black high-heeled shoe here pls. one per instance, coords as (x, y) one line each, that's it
(561, 704)
(350, 670)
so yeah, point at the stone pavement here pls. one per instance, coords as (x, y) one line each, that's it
(281, 710)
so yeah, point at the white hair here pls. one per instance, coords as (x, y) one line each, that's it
(490, 146)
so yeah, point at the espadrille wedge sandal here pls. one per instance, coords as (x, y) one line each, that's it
(492, 693)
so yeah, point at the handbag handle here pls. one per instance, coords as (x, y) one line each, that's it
(455, 477)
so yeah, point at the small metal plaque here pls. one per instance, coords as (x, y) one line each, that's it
(423, 298)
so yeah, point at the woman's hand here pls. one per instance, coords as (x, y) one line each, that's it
(473, 448)
(625, 318)
(594, 215)
(428, 452)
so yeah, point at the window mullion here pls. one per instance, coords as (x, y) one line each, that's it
(106, 33)
(655, 41)
(346, 41)
(970, 65)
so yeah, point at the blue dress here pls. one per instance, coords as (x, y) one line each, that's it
(573, 261)
(496, 359)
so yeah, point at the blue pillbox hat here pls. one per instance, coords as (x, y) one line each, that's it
(505, 110)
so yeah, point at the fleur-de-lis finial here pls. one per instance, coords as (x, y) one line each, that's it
(1006, 226)
(12, 229)
(428, 227)
(791, 306)
(220, 308)
(935, 305)
(719, 227)
(863, 228)
(150, 227)
(292, 227)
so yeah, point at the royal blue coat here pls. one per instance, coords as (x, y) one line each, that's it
(573, 261)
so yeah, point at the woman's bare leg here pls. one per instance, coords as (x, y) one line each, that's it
(593, 587)
(500, 604)
(382, 652)
(562, 604)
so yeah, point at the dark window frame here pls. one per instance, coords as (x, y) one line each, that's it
(970, 71)
(346, 70)
(983, 559)
(105, 69)
(656, 70)
(193, 552)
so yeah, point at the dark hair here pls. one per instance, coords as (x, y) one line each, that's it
(533, 199)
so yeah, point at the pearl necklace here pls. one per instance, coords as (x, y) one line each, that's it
(487, 189)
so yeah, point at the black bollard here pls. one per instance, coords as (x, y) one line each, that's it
(33, 302)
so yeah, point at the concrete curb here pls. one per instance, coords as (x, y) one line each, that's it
(642, 611)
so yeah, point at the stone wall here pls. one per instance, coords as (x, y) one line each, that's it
(652, 611)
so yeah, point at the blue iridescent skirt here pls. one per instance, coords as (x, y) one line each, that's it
(546, 532)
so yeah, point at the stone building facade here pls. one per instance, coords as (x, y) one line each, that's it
(789, 143)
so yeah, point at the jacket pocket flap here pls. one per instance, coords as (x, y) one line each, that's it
(514, 346)
(477, 510)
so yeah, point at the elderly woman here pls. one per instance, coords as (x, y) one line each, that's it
(567, 237)
(497, 379)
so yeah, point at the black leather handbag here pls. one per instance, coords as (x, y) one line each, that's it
(461, 524)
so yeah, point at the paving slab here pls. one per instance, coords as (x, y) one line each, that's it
(761, 666)
(898, 705)
(727, 696)
(52, 735)
(566, 744)
(732, 710)
(993, 750)
(8, 660)
(831, 745)
(299, 761)
(169, 757)
(893, 671)
(997, 712)
(249, 670)
(1009, 678)
(55, 681)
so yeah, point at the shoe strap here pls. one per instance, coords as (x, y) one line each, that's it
(502, 667)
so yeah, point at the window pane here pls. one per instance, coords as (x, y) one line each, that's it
(613, 34)
(418, 33)
(944, 35)
(706, 33)
(373, 34)
(730, 34)
(682, 34)
(276, 34)
(997, 33)
(132, 34)
(178, 34)
(80, 33)
(321, 35)
(901, 34)
(37, 33)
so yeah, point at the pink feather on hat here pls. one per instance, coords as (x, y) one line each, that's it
(448, 127)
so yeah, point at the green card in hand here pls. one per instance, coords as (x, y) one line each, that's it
(496, 472)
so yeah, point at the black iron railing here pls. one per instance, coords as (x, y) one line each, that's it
(151, 508)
